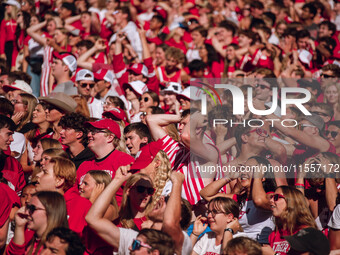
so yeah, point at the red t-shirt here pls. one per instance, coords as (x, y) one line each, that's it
(110, 164)
(278, 243)
(77, 208)
(13, 173)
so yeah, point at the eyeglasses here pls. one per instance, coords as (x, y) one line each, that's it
(333, 133)
(136, 245)
(96, 131)
(320, 113)
(84, 85)
(326, 76)
(301, 126)
(146, 99)
(262, 86)
(260, 131)
(32, 208)
(213, 213)
(277, 197)
(142, 189)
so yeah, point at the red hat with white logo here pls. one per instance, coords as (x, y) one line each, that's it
(146, 155)
(68, 59)
(116, 114)
(18, 85)
(108, 124)
(138, 86)
(104, 74)
(138, 69)
(191, 93)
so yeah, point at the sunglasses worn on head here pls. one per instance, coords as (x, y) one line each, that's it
(260, 132)
(136, 245)
(84, 85)
(142, 189)
(277, 197)
(32, 208)
(333, 133)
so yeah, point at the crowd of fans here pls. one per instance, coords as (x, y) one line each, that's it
(103, 142)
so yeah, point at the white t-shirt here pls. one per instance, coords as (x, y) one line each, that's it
(256, 222)
(95, 108)
(334, 221)
(18, 145)
(207, 245)
(127, 236)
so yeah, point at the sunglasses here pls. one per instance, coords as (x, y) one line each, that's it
(333, 133)
(136, 245)
(260, 131)
(142, 189)
(96, 131)
(145, 99)
(277, 197)
(32, 208)
(262, 86)
(327, 76)
(84, 85)
(321, 114)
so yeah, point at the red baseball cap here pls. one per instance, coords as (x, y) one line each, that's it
(116, 113)
(139, 68)
(68, 59)
(104, 74)
(146, 155)
(108, 124)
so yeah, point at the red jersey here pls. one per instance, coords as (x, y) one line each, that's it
(13, 173)
(7, 30)
(110, 164)
(164, 78)
(180, 45)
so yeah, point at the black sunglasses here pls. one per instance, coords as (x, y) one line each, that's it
(333, 133)
(262, 86)
(146, 99)
(84, 85)
(321, 114)
(32, 208)
(327, 76)
(142, 189)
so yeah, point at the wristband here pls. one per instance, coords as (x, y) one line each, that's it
(300, 185)
(194, 234)
(230, 230)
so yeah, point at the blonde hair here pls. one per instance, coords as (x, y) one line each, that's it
(337, 86)
(172, 132)
(125, 212)
(30, 102)
(13, 14)
(163, 173)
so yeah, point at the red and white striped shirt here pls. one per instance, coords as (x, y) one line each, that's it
(45, 70)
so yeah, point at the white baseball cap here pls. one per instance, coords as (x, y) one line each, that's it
(191, 93)
(84, 75)
(12, 2)
(68, 59)
(138, 86)
(305, 56)
(18, 85)
(174, 87)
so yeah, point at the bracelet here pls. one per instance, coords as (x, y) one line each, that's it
(300, 185)
(194, 234)
(230, 230)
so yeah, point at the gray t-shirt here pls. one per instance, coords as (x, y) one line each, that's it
(66, 87)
